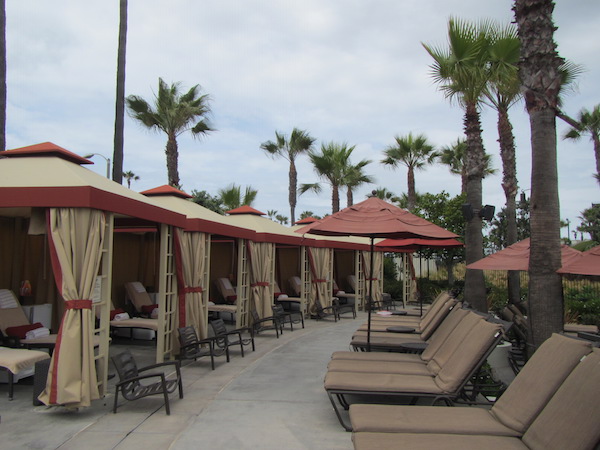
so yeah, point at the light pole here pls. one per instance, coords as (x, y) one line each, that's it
(105, 158)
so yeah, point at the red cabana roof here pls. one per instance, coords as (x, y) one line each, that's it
(48, 149)
(166, 189)
(306, 221)
(245, 209)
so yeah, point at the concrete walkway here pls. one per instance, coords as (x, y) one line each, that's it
(271, 399)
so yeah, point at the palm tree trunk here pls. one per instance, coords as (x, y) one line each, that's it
(510, 186)
(335, 198)
(293, 188)
(117, 168)
(411, 188)
(2, 75)
(475, 291)
(349, 197)
(541, 80)
(596, 140)
(172, 160)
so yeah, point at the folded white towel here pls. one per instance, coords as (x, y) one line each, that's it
(340, 292)
(38, 332)
(154, 314)
(282, 296)
(121, 316)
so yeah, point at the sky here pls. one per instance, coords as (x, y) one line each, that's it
(346, 71)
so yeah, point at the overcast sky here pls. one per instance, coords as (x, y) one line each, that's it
(344, 70)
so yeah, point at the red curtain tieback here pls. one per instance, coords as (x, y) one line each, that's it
(190, 290)
(261, 283)
(320, 280)
(78, 304)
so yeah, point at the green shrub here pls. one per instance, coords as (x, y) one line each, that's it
(583, 303)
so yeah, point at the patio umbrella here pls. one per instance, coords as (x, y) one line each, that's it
(516, 257)
(375, 218)
(586, 263)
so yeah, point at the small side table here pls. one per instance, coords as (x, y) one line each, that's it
(413, 347)
(400, 329)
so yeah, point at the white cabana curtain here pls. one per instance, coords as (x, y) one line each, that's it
(261, 262)
(320, 262)
(375, 277)
(75, 239)
(190, 253)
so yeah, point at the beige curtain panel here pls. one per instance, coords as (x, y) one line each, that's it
(190, 262)
(261, 264)
(320, 262)
(75, 240)
(377, 269)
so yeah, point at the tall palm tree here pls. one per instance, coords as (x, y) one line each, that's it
(354, 178)
(173, 113)
(454, 156)
(2, 75)
(539, 56)
(331, 165)
(460, 71)
(129, 175)
(415, 152)
(385, 194)
(232, 198)
(299, 142)
(588, 122)
(503, 92)
(117, 169)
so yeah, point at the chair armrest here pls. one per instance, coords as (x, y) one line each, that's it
(177, 365)
(142, 377)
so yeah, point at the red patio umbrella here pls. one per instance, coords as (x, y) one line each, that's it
(586, 263)
(516, 257)
(414, 244)
(376, 218)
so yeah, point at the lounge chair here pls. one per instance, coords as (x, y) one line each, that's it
(15, 360)
(442, 378)
(15, 326)
(226, 339)
(136, 294)
(130, 377)
(551, 404)
(347, 302)
(289, 303)
(190, 347)
(227, 292)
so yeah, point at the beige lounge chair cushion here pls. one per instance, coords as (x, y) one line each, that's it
(452, 320)
(571, 418)
(8, 299)
(410, 441)
(17, 359)
(376, 356)
(381, 382)
(136, 322)
(384, 339)
(407, 368)
(526, 396)
(478, 341)
(426, 419)
(136, 292)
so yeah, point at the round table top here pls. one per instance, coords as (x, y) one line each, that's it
(400, 329)
(399, 313)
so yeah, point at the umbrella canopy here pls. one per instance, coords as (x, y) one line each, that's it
(516, 257)
(376, 218)
(414, 244)
(586, 263)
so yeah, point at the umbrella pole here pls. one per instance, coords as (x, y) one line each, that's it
(370, 300)
(418, 287)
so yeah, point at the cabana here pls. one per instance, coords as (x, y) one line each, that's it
(193, 257)
(58, 221)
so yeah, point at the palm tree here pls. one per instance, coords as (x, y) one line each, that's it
(588, 122)
(460, 72)
(354, 178)
(454, 156)
(231, 196)
(539, 56)
(129, 175)
(173, 113)
(503, 92)
(117, 169)
(415, 153)
(384, 194)
(332, 165)
(3, 75)
(299, 142)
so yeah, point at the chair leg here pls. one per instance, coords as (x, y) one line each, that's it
(116, 399)
(242, 346)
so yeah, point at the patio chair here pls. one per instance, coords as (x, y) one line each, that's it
(552, 403)
(130, 377)
(289, 303)
(442, 378)
(190, 347)
(347, 302)
(290, 317)
(225, 339)
(321, 311)
(267, 323)
(136, 294)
